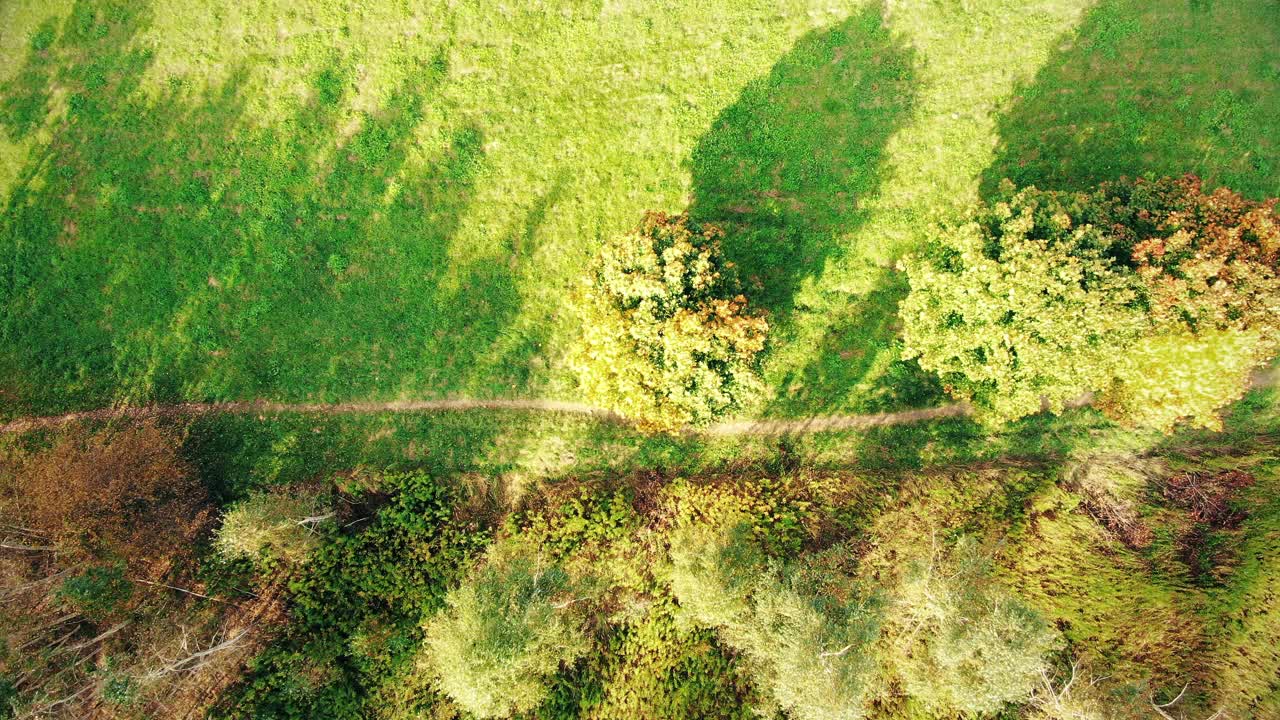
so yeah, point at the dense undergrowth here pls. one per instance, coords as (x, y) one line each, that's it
(1149, 616)
(1148, 564)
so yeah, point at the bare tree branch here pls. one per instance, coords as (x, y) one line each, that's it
(184, 590)
(28, 548)
(102, 636)
(1171, 702)
(837, 653)
(190, 664)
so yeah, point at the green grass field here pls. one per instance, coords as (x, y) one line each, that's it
(296, 201)
(371, 200)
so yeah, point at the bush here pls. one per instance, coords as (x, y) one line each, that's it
(502, 636)
(807, 652)
(817, 661)
(98, 592)
(1160, 298)
(971, 648)
(357, 611)
(713, 573)
(658, 667)
(123, 494)
(281, 525)
(668, 339)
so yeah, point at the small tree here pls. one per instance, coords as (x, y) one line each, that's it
(281, 525)
(713, 572)
(808, 653)
(667, 337)
(967, 646)
(502, 636)
(1157, 297)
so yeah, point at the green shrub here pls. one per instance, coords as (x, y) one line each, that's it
(98, 592)
(969, 646)
(658, 667)
(667, 338)
(121, 691)
(586, 519)
(282, 525)
(501, 637)
(816, 658)
(8, 698)
(714, 570)
(357, 612)
(1156, 296)
(809, 653)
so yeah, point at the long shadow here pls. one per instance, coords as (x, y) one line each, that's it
(785, 169)
(1153, 86)
(855, 366)
(164, 245)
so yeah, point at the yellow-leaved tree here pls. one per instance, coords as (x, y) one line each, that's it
(668, 340)
(1157, 297)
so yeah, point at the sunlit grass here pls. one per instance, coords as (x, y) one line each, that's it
(289, 201)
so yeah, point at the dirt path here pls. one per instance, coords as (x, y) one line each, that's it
(740, 427)
(816, 424)
(262, 407)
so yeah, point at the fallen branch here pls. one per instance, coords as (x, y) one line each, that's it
(837, 653)
(28, 548)
(315, 519)
(184, 590)
(184, 664)
(103, 636)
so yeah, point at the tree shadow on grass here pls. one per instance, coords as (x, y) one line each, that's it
(1153, 86)
(856, 366)
(785, 169)
(162, 245)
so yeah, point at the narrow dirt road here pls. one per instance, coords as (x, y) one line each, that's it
(815, 424)
(739, 427)
(262, 407)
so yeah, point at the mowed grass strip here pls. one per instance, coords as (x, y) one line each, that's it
(301, 203)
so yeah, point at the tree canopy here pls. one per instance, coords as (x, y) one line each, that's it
(1154, 295)
(668, 338)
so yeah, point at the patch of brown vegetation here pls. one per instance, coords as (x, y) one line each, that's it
(121, 500)
(1107, 488)
(117, 494)
(1208, 496)
(1120, 519)
(1210, 501)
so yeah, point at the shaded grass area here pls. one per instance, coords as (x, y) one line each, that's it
(239, 453)
(786, 169)
(328, 218)
(303, 203)
(1153, 86)
(1243, 666)
(162, 249)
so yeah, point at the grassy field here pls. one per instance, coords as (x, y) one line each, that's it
(301, 201)
(315, 201)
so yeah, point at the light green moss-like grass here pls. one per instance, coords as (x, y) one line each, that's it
(299, 201)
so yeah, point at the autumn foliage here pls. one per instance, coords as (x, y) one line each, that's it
(668, 339)
(116, 495)
(1156, 296)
